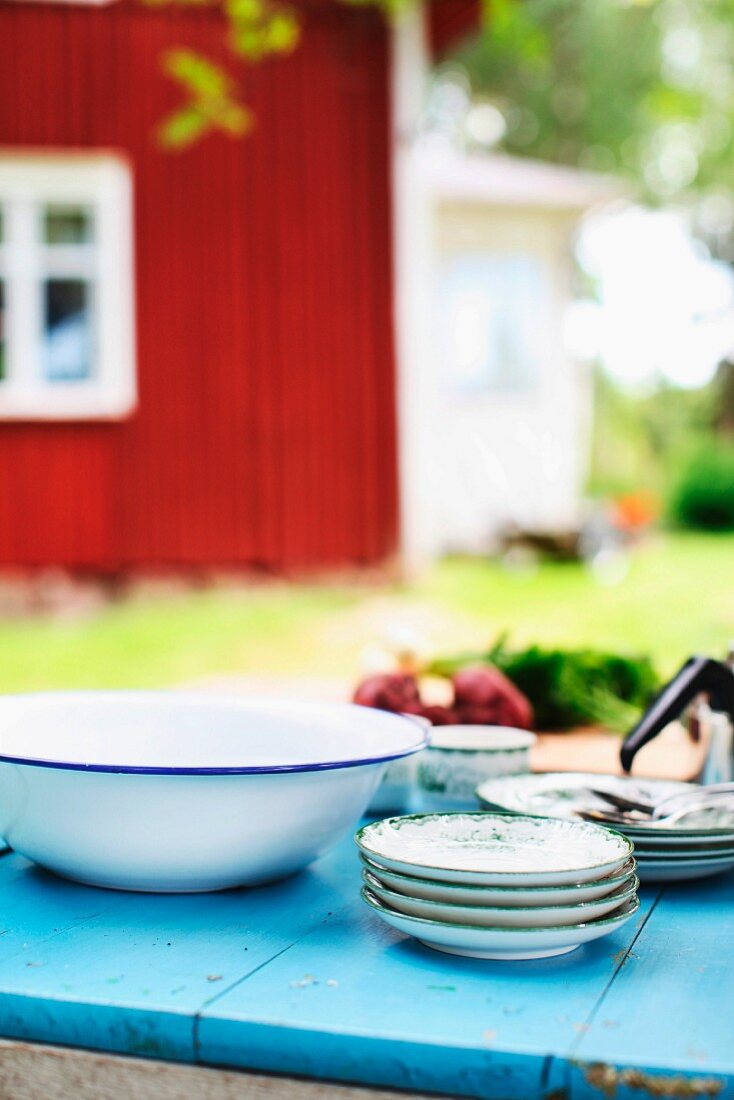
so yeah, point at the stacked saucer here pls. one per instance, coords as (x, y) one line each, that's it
(498, 886)
(688, 845)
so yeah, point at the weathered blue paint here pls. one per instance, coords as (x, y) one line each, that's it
(670, 1011)
(300, 978)
(388, 1009)
(129, 972)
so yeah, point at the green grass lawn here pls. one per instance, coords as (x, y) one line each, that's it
(677, 598)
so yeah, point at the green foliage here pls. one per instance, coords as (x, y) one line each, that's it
(584, 82)
(571, 87)
(703, 497)
(515, 30)
(570, 687)
(640, 442)
(211, 102)
(636, 88)
(255, 30)
(676, 599)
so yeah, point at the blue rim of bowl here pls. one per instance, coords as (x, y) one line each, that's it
(262, 769)
(266, 769)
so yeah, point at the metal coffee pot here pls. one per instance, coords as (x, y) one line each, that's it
(703, 691)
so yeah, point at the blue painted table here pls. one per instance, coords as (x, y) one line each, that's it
(301, 980)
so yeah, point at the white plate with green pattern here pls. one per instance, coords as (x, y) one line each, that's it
(501, 943)
(486, 849)
(484, 916)
(564, 794)
(455, 894)
(680, 870)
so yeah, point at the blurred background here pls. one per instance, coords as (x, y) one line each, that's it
(409, 335)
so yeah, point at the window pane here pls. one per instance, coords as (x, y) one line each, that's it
(2, 331)
(67, 225)
(67, 344)
(491, 310)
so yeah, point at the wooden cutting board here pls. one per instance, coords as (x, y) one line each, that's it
(671, 755)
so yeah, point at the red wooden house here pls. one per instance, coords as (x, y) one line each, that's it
(197, 360)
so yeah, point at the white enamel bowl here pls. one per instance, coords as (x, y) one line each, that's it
(454, 894)
(501, 943)
(178, 792)
(395, 792)
(530, 916)
(485, 849)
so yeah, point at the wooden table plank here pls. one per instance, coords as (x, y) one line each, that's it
(670, 755)
(358, 1001)
(670, 1011)
(129, 972)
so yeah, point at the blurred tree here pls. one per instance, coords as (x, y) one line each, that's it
(563, 74)
(642, 442)
(723, 402)
(642, 87)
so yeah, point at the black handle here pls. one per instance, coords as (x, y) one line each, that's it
(698, 675)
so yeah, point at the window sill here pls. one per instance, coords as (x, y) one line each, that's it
(91, 405)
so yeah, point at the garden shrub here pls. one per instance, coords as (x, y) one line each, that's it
(702, 497)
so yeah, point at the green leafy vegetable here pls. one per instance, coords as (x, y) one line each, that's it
(569, 687)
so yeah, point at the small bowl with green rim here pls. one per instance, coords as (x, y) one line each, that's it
(459, 758)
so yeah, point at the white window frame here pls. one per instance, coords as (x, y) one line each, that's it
(103, 182)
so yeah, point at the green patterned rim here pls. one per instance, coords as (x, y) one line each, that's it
(624, 872)
(618, 894)
(627, 910)
(625, 843)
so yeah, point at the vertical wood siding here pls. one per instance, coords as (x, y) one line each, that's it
(449, 21)
(265, 433)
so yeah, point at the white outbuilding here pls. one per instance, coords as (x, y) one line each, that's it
(494, 413)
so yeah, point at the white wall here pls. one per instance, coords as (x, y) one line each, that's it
(499, 457)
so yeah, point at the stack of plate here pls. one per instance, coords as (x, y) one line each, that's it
(498, 886)
(696, 846)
